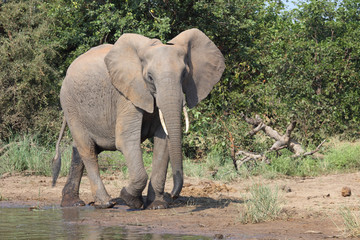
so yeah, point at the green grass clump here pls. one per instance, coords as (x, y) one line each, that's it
(351, 222)
(262, 205)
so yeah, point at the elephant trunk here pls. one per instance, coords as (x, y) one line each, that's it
(172, 113)
(175, 150)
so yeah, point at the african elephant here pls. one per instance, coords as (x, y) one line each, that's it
(113, 98)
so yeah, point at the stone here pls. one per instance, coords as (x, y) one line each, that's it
(346, 192)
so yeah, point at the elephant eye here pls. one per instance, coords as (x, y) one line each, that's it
(150, 78)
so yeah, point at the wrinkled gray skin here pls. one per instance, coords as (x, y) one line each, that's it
(111, 98)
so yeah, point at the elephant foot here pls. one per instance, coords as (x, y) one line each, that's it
(72, 202)
(157, 204)
(157, 201)
(110, 204)
(135, 202)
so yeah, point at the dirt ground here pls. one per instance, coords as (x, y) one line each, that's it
(209, 208)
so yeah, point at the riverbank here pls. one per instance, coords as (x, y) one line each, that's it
(310, 206)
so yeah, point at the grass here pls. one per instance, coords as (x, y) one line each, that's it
(213, 166)
(344, 156)
(337, 158)
(25, 154)
(262, 205)
(351, 221)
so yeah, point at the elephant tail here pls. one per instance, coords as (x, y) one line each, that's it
(56, 162)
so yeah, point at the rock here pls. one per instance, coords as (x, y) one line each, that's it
(218, 236)
(313, 232)
(286, 189)
(346, 192)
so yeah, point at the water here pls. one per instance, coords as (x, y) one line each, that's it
(63, 223)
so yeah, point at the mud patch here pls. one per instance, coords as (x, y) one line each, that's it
(206, 188)
(208, 208)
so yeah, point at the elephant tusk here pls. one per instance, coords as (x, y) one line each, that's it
(186, 119)
(163, 122)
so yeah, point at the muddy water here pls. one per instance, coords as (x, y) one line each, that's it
(64, 223)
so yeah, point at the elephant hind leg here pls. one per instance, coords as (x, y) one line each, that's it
(89, 157)
(70, 193)
(85, 154)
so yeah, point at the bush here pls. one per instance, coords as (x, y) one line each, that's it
(29, 81)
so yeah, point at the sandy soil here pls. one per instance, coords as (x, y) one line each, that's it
(310, 210)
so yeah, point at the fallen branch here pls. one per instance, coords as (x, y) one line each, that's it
(282, 141)
(250, 156)
(314, 151)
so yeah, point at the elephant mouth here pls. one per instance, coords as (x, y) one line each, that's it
(186, 116)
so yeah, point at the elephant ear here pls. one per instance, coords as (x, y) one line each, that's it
(126, 72)
(205, 61)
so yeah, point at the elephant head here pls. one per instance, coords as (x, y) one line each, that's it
(149, 73)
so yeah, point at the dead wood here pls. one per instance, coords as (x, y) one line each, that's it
(314, 151)
(282, 141)
(250, 156)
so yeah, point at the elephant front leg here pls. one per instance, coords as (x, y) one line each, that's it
(155, 197)
(128, 135)
(132, 193)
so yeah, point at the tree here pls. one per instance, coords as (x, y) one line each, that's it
(29, 83)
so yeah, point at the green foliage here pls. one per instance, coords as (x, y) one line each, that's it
(264, 204)
(29, 83)
(286, 165)
(80, 25)
(312, 68)
(298, 65)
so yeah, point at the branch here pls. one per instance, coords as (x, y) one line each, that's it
(253, 121)
(260, 127)
(289, 130)
(248, 156)
(314, 151)
(282, 141)
(232, 144)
